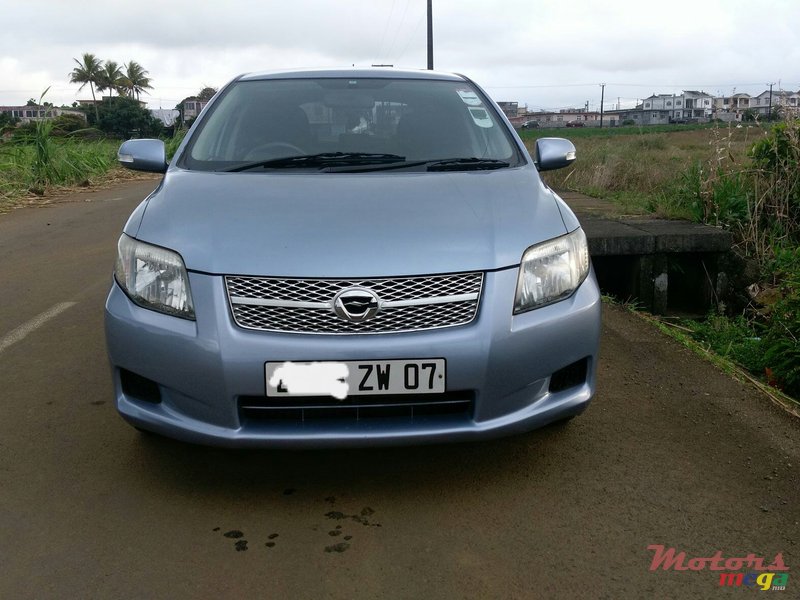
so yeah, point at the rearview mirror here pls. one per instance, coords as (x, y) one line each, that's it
(143, 155)
(554, 153)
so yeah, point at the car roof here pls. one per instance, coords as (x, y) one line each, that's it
(357, 72)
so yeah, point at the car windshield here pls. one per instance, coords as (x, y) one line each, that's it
(342, 122)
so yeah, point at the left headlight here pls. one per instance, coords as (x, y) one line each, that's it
(153, 277)
(551, 271)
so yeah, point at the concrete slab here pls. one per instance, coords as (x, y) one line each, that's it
(684, 236)
(613, 233)
(615, 238)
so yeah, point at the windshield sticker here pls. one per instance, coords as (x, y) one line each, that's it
(481, 117)
(469, 97)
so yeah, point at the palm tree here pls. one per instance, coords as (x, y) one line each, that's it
(87, 71)
(135, 79)
(110, 77)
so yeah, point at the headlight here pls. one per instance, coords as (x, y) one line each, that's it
(551, 271)
(153, 277)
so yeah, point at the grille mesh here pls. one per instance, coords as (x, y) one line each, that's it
(324, 320)
(323, 290)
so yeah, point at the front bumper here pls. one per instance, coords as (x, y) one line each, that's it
(203, 368)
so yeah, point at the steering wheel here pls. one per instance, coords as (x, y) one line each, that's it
(272, 150)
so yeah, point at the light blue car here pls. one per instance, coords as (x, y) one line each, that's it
(351, 257)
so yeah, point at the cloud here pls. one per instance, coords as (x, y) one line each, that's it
(508, 46)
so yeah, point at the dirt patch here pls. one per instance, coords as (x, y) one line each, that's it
(75, 193)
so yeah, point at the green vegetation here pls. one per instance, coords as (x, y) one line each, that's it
(171, 145)
(87, 71)
(129, 80)
(34, 164)
(124, 117)
(648, 169)
(745, 179)
(62, 152)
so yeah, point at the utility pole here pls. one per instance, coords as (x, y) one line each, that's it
(769, 113)
(430, 35)
(602, 97)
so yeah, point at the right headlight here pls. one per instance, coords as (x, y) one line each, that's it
(551, 271)
(154, 277)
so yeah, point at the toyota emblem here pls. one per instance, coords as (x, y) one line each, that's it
(356, 304)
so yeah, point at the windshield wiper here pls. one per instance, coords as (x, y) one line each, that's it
(324, 159)
(466, 164)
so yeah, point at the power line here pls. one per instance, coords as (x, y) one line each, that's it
(385, 31)
(411, 37)
(396, 32)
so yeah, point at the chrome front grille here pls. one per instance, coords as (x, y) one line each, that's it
(306, 305)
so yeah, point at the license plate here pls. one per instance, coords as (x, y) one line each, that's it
(356, 377)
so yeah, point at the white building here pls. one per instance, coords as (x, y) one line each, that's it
(782, 98)
(660, 109)
(26, 114)
(731, 108)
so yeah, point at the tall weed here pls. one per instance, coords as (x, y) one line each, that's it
(782, 332)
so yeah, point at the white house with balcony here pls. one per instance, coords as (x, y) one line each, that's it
(696, 105)
(660, 109)
(731, 108)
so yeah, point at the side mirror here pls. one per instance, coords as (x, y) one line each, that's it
(143, 155)
(554, 153)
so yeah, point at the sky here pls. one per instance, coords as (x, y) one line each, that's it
(546, 54)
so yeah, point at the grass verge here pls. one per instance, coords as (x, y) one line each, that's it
(686, 337)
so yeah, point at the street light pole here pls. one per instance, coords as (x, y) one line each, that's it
(602, 96)
(430, 35)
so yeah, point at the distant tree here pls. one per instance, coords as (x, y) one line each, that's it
(124, 117)
(87, 71)
(750, 115)
(110, 78)
(206, 94)
(135, 79)
(67, 123)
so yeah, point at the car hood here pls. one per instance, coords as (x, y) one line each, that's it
(349, 225)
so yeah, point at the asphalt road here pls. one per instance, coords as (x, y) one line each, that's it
(672, 452)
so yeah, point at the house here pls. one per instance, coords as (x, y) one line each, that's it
(192, 107)
(88, 103)
(617, 116)
(660, 109)
(27, 114)
(560, 118)
(696, 106)
(731, 108)
(786, 100)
